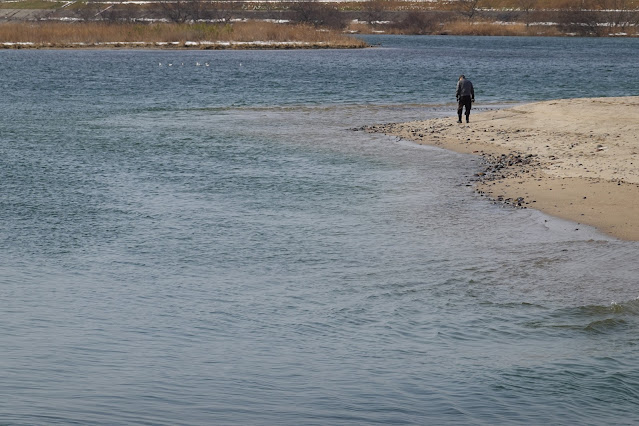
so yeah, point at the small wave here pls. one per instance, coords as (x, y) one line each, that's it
(628, 308)
(592, 318)
(605, 325)
(512, 305)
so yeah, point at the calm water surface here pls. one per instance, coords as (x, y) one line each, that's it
(212, 245)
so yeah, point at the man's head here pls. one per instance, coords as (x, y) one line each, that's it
(461, 77)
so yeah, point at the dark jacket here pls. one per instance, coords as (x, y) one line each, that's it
(465, 88)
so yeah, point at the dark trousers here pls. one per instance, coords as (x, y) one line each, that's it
(464, 101)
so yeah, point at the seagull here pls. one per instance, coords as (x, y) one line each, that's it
(197, 64)
(160, 64)
(207, 64)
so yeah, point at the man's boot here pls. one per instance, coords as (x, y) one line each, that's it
(459, 119)
(467, 119)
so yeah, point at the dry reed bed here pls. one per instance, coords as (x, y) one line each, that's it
(497, 29)
(464, 27)
(237, 35)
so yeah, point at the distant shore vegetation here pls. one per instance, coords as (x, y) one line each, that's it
(303, 23)
(238, 35)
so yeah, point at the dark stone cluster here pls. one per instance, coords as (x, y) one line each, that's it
(378, 128)
(505, 165)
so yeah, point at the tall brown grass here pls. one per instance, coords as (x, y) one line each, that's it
(60, 34)
(463, 27)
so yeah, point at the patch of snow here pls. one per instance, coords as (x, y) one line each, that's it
(124, 43)
(19, 43)
(357, 21)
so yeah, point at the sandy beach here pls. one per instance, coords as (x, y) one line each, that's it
(577, 159)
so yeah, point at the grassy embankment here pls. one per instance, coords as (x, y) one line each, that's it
(201, 35)
(460, 17)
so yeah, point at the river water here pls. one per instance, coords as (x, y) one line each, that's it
(193, 244)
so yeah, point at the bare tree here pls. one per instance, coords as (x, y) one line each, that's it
(272, 11)
(468, 8)
(305, 11)
(220, 10)
(581, 19)
(419, 22)
(177, 10)
(618, 14)
(332, 17)
(318, 14)
(374, 11)
(89, 11)
(119, 13)
(526, 6)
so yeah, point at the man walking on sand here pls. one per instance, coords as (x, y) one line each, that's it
(465, 97)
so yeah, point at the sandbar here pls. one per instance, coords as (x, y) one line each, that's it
(577, 159)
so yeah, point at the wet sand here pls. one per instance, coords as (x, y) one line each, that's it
(577, 159)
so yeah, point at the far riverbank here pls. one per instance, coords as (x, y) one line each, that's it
(589, 18)
(241, 35)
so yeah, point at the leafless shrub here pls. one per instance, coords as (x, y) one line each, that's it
(374, 11)
(179, 10)
(318, 14)
(419, 22)
(619, 15)
(468, 8)
(526, 7)
(118, 13)
(221, 11)
(305, 11)
(580, 21)
(89, 11)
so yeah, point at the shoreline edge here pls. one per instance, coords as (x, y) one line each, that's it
(576, 159)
